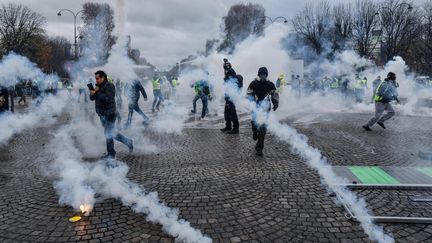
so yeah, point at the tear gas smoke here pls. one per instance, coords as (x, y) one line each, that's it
(78, 182)
(267, 52)
(13, 69)
(43, 115)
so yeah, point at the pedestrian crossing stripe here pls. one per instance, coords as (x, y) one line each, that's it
(373, 175)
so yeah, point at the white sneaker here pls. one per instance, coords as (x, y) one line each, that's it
(204, 119)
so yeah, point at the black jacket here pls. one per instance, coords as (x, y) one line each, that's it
(229, 73)
(133, 91)
(4, 100)
(259, 90)
(105, 100)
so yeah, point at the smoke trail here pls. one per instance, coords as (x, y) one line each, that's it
(79, 181)
(251, 55)
(315, 160)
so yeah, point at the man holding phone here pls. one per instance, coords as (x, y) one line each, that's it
(104, 96)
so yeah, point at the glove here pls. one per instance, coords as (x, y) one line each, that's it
(275, 107)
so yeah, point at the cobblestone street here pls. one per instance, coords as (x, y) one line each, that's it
(221, 187)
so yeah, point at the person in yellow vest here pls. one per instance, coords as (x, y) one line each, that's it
(174, 83)
(359, 88)
(157, 93)
(334, 84)
(385, 92)
(281, 82)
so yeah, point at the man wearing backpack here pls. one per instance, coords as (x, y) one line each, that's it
(384, 94)
(202, 91)
(230, 113)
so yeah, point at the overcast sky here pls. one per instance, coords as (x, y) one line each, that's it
(165, 31)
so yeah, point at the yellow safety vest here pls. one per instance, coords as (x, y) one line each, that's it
(174, 83)
(335, 84)
(377, 97)
(156, 84)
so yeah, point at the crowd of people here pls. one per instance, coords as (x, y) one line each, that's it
(108, 97)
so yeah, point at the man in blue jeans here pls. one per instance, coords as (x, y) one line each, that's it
(202, 91)
(157, 93)
(104, 96)
(132, 92)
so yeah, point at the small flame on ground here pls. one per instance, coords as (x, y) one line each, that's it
(85, 209)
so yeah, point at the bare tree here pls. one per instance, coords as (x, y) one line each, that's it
(401, 26)
(342, 26)
(365, 24)
(312, 24)
(242, 21)
(424, 49)
(18, 26)
(59, 55)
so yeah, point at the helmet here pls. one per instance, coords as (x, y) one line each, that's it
(281, 75)
(391, 76)
(262, 71)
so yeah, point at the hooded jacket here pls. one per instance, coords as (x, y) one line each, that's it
(105, 100)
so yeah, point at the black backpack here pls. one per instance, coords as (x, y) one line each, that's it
(239, 81)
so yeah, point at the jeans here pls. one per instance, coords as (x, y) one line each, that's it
(82, 91)
(158, 98)
(204, 100)
(379, 110)
(111, 134)
(133, 106)
(230, 115)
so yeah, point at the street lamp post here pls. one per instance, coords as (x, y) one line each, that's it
(75, 27)
(273, 20)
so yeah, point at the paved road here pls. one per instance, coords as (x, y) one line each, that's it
(221, 187)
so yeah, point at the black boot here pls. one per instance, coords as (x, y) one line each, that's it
(367, 128)
(234, 131)
(226, 129)
(381, 124)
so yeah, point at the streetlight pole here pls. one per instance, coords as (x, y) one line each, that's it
(75, 27)
(273, 20)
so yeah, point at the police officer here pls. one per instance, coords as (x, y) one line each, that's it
(230, 113)
(384, 94)
(261, 90)
(6, 100)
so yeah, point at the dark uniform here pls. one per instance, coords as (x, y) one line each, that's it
(230, 113)
(132, 92)
(106, 109)
(262, 91)
(6, 100)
